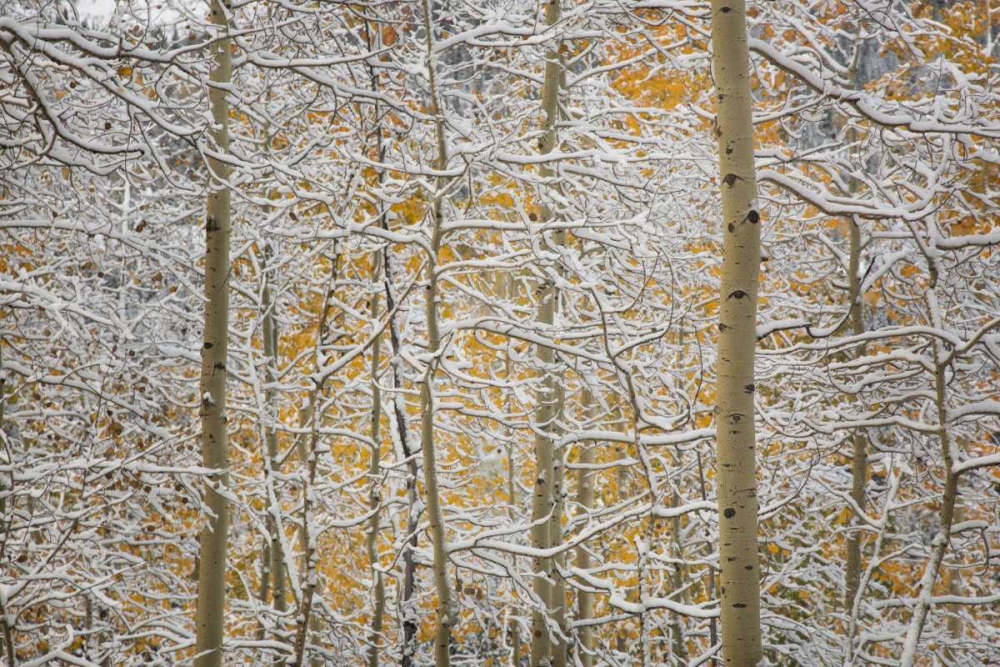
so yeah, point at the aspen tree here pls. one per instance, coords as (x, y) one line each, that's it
(509, 291)
(859, 446)
(735, 433)
(383, 271)
(584, 651)
(584, 598)
(445, 613)
(548, 398)
(308, 453)
(949, 502)
(557, 598)
(6, 634)
(954, 576)
(677, 579)
(215, 451)
(374, 497)
(275, 556)
(274, 574)
(409, 619)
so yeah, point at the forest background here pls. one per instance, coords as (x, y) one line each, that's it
(387, 332)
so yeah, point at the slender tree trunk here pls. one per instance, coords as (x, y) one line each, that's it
(585, 599)
(940, 544)
(382, 270)
(735, 433)
(677, 576)
(374, 494)
(949, 502)
(954, 589)
(308, 454)
(544, 503)
(513, 502)
(264, 591)
(409, 612)
(859, 445)
(557, 603)
(445, 619)
(6, 632)
(210, 619)
(445, 613)
(275, 551)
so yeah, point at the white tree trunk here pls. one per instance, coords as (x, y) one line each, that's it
(735, 433)
(275, 555)
(949, 502)
(445, 613)
(543, 514)
(210, 618)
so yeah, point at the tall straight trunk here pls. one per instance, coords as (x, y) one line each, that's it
(398, 422)
(445, 613)
(735, 433)
(509, 291)
(954, 590)
(939, 547)
(409, 613)
(557, 600)
(949, 502)
(585, 499)
(210, 617)
(677, 578)
(374, 502)
(543, 509)
(275, 572)
(859, 445)
(308, 455)
(6, 486)
(445, 619)
(275, 555)
(374, 494)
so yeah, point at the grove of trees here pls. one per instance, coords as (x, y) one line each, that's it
(551, 333)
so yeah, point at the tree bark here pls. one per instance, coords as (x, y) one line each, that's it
(949, 502)
(6, 631)
(210, 617)
(859, 446)
(584, 598)
(954, 589)
(409, 613)
(309, 459)
(374, 495)
(557, 601)
(445, 613)
(735, 433)
(275, 550)
(543, 503)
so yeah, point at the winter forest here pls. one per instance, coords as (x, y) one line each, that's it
(508, 333)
